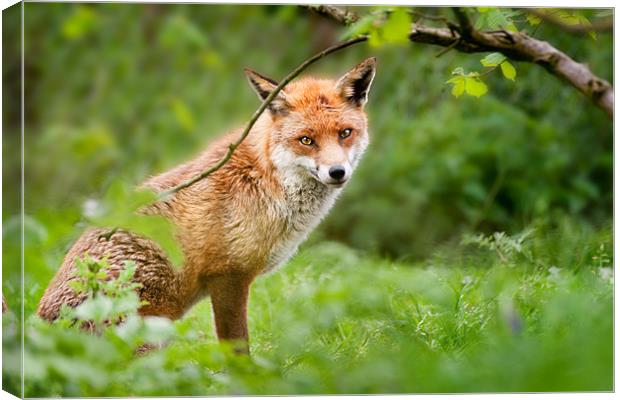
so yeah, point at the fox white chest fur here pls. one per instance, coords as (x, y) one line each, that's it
(306, 203)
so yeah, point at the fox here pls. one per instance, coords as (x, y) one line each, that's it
(246, 218)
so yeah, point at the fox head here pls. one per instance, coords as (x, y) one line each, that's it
(318, 127)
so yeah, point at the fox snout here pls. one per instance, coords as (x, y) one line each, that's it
(335, 174)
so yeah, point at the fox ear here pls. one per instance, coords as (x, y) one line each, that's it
(355, 84)
(263, 86)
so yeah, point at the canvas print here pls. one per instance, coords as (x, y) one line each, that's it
(227, 199)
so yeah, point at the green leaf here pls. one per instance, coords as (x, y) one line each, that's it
(101, 275)
(128, 272)
(566, 16)
(361, 27)
(495, 18)
(512, 27)
(396, 29)
(586, 22)
(572, 18)
(475, 87)
(508, 70)
(458, 88)
(77, 286)
(458, 71)
(470, 83)
(374, 39)
(592, 34)
(458, 85)
(493, 60)
(157, 329)
(533, 20)
(123, 305)
(97, 309)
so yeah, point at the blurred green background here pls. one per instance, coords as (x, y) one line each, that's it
(117, 92)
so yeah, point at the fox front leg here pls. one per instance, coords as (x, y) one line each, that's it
(229, 299)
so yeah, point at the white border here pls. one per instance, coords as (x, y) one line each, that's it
(528, 3)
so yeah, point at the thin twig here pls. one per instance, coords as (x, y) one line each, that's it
(487, 72)
(233, 146)
(447, 48)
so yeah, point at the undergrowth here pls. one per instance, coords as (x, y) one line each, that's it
(498, 314)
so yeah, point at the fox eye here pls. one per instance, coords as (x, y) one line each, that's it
(345, 133)
(306, 140)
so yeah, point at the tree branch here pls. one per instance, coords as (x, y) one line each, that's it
(233, 146)
(519, 47)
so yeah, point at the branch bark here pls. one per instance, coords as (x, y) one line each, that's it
(233, 146)
(514, 45)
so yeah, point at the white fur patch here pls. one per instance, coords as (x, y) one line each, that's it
(307, 201)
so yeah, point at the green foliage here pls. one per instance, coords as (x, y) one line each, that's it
(505, 246)
(532, 19)
(361, 27)
(107, 300)
(493, 18)
(469, 83)
(395, 29)
(493, 60)
(386, 25)
(64, 358)
(570, 17)
(472, 84)
(497, 59)
(508, 70)
(466, 323)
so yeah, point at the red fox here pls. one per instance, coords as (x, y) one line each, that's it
(246, 218)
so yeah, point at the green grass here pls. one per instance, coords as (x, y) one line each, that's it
(337, 321)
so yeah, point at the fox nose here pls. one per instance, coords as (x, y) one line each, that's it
(337, 172)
